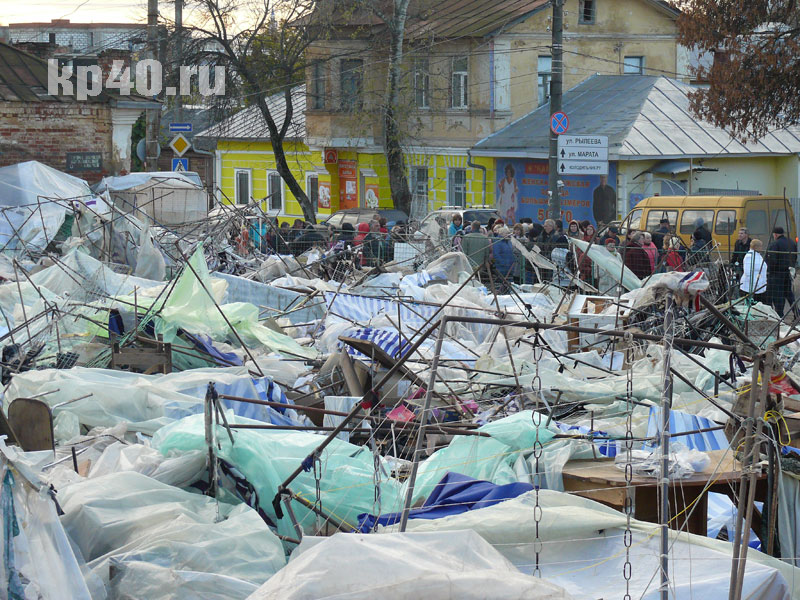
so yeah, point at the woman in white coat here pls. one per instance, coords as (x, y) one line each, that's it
(754, 275)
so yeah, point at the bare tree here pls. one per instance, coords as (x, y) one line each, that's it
(395, 23)
(754, 80)
(267, 57)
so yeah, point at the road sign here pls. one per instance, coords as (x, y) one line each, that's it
(179, 144)
(180, 127)
(582, 167)
(582, 153)
(589, 141)
(559, 122)
(180, 164)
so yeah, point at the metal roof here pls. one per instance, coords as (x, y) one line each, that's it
(428, 18)
(23, 78)
(644, 117)
(249, 124)
(466, 18)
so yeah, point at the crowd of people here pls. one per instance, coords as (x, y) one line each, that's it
(762, 274)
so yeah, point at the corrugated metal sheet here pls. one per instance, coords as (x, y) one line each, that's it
(23, 78)
(431, 18)
(643, 116)
(249, 124)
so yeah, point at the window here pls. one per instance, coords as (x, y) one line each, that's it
(586, 11)
(654, 219)
(312, 190)
(336, 220)
(457, 187)
(633, 65)
(351, 84)
(689, 220)
(544, 70)
(419, 184)
(318, 92)
(725, 223)
(421, 83)
(756, 222)
(460, 83)
(242, 183)
(778, 219)
(275, 191)
(635, 219)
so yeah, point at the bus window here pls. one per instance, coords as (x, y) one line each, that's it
(654, 219)
(756, 222)
(726, 222)
(689, 220)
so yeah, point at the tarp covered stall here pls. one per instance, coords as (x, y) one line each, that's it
(168, 198)
(34, 199)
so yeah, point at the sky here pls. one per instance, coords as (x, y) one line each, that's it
(77, 11)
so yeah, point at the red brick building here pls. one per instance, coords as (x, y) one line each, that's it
(88, 138)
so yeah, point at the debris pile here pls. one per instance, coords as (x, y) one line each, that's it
(192, 399)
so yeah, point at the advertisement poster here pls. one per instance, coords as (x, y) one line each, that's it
(522, 192)
(324, 191)
(371, 198)
(348, 188)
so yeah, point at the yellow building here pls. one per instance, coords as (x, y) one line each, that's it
(468, 73)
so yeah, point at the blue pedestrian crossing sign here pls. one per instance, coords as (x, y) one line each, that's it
(180, 164)
(559, 122)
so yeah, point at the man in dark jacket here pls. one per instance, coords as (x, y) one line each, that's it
(636, 258)
(740, 248)
(779, 259)
(547, 237)
(700, 227)
(658, 234)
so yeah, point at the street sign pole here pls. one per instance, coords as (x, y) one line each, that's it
(557, 69)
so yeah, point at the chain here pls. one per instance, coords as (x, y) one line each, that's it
(627, 570)
(537, 454)
(317, 491)
(376, 480)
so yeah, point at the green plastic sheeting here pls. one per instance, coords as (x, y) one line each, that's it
(190, 307)
(347, 485)
(492, 459)
(266, 458)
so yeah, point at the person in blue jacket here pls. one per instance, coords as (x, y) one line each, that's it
(503, 253)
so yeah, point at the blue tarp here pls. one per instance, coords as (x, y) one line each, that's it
(454, 494)
(681, 422)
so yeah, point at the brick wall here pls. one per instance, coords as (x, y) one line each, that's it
(46, 131)
(201, 164)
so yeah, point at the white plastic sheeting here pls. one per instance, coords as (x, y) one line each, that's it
(583, 551)
(37, 560)
(456, 565)
(145, 402)
(32, 187)
(130, 518)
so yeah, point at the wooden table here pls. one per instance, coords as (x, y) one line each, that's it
(600, 480)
